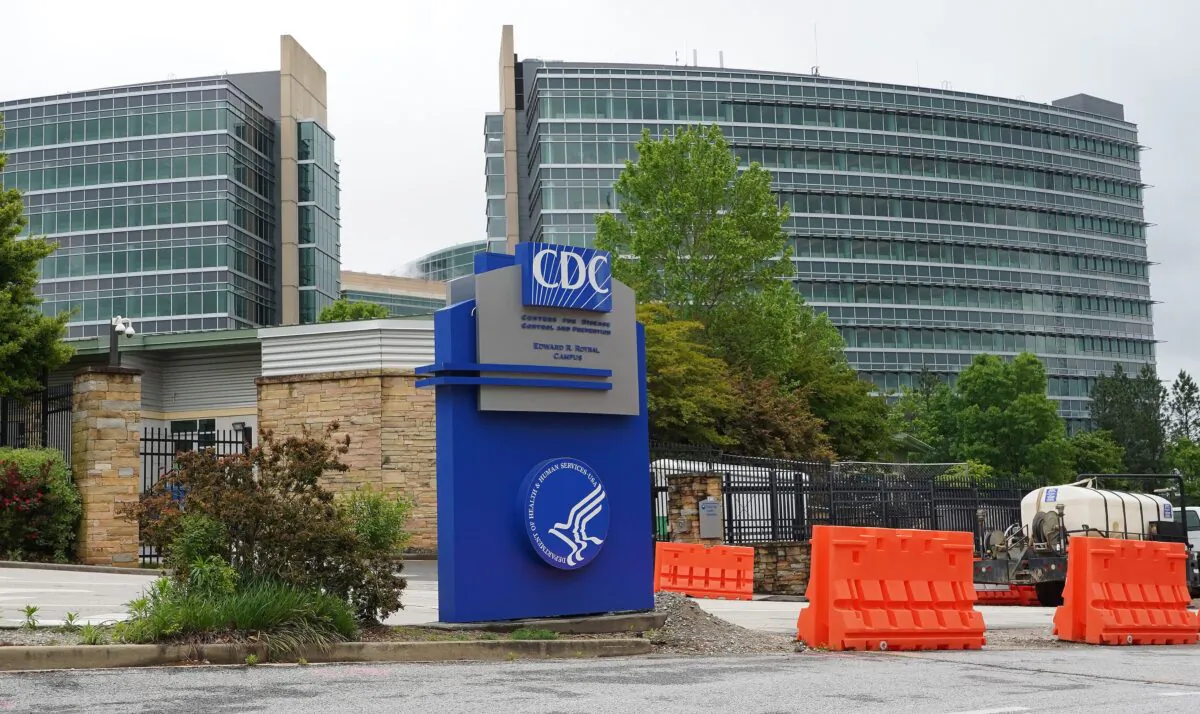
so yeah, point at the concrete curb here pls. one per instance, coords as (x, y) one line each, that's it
(627, 622)
(18, 659)
(83, 568)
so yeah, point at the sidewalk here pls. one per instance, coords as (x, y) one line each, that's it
(99, 597)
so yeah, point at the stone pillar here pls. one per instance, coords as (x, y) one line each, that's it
(106, 415)
(781, 568)
(684, 494)
(391, 427)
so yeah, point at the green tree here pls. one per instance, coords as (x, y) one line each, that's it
(1095, 452)
(30, 342)
(1183, 455)
(696, 234)
(342, 310)
(922, 420)
(774, 421)
(689, 390)
(1132, 410)
(1184, 405)
(1003, 418)
(707, 241)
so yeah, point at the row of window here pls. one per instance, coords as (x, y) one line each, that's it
(117, 286)
(985, 341)
(319, 228)
(130, 216)
(110, 262)
(961, 254)
(604, 199)
(860, 316)
(194, 302)
(944, 274)
(770, 136)
(107, 172)
(887, 294)
(218, 118)
(678, 109)
(959, 213)
(779, 86)
(320, 270)
(397, 305)
(791, 181)
(319, 187)
(862, 360)
(891, 382)
(315, 144)
(851, 161)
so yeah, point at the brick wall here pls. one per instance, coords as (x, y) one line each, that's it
(391, 429)
(684, 494)
(106, 411)
(781, 568)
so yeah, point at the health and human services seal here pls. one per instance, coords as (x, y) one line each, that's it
(565, 512)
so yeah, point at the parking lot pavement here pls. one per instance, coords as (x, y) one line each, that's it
(94, 597)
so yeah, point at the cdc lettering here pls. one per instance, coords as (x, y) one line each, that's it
(565, 279)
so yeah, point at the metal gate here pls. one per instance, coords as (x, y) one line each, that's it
(160, 449)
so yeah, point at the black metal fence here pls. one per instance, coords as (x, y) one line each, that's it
(160, 449)
(41, 419)
(781, 500)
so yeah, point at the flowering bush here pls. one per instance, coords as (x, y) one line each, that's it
(39, 506)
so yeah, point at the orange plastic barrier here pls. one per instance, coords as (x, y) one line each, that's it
(724, 572)
(1126, 592)
(885, 589)
(1025, 595)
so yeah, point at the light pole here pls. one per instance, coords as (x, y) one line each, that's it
(120, 326)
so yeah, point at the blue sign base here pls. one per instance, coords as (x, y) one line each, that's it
(487, 567)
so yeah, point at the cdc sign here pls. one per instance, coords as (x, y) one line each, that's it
(563, 276)
(542, 445)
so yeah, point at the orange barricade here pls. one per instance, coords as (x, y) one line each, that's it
(880, 589)
(725, 572)
(1126, 592)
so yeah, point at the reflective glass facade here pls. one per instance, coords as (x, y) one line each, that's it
(320, 237)
(930, 225)
(453, 262)
(160, 198)
(397, 305)
(493, 156)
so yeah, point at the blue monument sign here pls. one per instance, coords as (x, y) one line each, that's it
(543, 461)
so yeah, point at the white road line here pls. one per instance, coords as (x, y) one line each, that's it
(1005, 710)
(1180, 694)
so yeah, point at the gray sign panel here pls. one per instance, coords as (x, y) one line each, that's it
(509, 333)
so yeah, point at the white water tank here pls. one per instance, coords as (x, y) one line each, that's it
(1105, 513)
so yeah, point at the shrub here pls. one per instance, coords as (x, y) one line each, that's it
(196, 538)
(283, 617)
(378, 519)
(278, 521)
(39, 506)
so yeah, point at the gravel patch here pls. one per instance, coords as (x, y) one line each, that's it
(1034, 638)
(40, 636)
(690, 630)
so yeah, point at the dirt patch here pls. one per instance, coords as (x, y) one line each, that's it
(42, 636)
(690, 630)
(1033, 638)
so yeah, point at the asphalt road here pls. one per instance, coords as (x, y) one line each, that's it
(1088, 681)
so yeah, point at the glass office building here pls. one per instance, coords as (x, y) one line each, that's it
(401, 296)
(931, 225)
(170, 204)
(450, 263)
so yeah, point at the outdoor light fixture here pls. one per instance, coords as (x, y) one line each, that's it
(120, 326)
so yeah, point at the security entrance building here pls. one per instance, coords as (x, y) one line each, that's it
(931, 225)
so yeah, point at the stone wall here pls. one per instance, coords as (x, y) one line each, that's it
(391, 429)
(106, 413)
(684, 494)
(781, 568)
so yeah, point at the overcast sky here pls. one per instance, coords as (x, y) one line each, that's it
(409, 83)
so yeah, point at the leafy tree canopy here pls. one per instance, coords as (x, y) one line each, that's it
(30, 342)
(1132, 410)
(342, 310)
(706, 240)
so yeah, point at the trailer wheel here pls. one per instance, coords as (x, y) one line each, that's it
(1050, 594)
